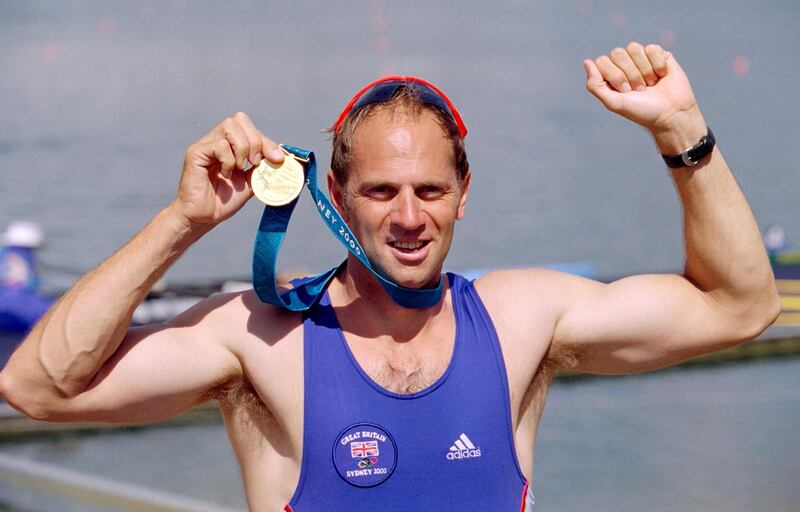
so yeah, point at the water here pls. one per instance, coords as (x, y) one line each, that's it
(721, 438)
(99, 100)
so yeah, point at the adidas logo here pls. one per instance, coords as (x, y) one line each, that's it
(463, 449)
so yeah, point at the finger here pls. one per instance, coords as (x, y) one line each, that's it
(260, 145)
(598, 86)
(639, 57)
(253, 135)
(236, 137)
(658, 59)
(621, 58)
(240, 182)
(223, 152)
(206, 155)
(272, 151)
(612, 74)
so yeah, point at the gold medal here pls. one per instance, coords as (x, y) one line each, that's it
(277, 184)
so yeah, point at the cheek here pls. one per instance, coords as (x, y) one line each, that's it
(444, 214)
(349, 203)
(367, 219)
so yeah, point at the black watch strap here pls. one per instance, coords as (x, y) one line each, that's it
(694, 154)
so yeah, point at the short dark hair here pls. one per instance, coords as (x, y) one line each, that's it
(407, 98)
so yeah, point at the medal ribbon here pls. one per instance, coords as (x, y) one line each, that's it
(271, 231)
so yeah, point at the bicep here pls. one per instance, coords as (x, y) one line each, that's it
(640, 323)
(157, 372)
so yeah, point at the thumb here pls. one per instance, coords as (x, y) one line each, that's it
(596, 84)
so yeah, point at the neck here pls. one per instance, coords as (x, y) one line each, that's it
(363, 298)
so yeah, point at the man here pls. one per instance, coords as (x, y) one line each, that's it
(21, 305)
(360, 400)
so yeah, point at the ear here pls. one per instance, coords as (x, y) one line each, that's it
(462, 201)
(337, 196)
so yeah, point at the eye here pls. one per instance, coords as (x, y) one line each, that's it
(380, 192)
(430, 192)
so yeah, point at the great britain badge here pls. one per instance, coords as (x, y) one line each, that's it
(364, 455)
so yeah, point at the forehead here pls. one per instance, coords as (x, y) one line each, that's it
(398, 140)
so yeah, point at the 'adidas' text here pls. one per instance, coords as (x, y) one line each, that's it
(463, 449)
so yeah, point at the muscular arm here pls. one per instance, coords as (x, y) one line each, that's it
(66, 349)
(80, 361)
(727, 293)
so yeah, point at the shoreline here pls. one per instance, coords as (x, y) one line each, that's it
(16, 427)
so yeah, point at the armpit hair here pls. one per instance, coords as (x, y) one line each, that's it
(554, 360)
(558, 358)
(240, 395)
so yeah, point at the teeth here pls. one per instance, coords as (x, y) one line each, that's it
(408, 245)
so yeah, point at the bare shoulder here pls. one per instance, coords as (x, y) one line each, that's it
(517, 291)
(235, 317)
(525, 306)
(266, 342)
(239, 329)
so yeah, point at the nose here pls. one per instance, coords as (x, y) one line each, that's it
(407, 211)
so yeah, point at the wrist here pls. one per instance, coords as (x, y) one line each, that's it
(182, 228)
(681, 131)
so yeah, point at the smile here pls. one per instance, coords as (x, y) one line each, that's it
(409, 246)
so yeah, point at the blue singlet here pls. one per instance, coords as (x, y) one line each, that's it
(447, 447)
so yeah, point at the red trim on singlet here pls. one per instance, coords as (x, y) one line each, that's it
(288, 507)
(521, 505)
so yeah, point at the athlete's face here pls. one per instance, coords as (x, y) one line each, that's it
(402, 196)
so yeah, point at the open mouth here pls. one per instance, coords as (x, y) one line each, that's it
(409, 247)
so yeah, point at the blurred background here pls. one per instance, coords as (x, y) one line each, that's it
(99, 101)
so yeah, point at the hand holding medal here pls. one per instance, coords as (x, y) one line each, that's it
(214, 180)
(278, 184)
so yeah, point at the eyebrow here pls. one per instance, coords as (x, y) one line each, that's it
(388, 182)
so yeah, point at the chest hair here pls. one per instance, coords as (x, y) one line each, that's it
(405, 377)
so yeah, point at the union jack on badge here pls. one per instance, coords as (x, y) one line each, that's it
(364, 454)
(364, 449)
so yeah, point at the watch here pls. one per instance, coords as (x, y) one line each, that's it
(693, 155)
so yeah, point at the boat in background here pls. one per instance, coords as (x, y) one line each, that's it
(21, 304)
(785, 260)
(786, 267)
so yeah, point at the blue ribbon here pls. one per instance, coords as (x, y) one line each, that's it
(271, 231)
